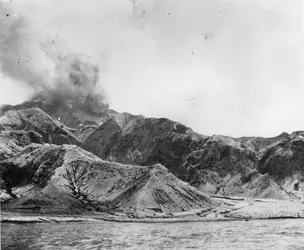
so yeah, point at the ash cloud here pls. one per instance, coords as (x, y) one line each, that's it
(20, 59)
(27, 56)
(77, 78)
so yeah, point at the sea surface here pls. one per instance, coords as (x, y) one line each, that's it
(259, 234)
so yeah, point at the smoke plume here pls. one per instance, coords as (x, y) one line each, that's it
(20, 56)
(77, 78)
(27, 56)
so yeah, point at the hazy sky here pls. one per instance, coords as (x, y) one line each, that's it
(232, 67)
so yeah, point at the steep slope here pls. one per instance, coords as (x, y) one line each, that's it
(102, 140)
(83, 132)
(218, 165)
(34, 119)
(67, 179)
(80, 118)
(136, 140)
(284, 162)
(145, 141)
(124, 120)
(222, 165)
(12, 141)
(225, 167)
(68, 111)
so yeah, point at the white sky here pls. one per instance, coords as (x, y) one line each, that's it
(245, 79)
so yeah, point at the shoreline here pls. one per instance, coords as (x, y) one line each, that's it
(236, 210)
(30, 219)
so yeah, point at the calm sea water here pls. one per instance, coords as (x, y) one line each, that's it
(266, 234)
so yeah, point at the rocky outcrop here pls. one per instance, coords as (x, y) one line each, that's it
(33, 125)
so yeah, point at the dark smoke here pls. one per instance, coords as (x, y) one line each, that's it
(77, 80)
(25, 57)
(76, 86)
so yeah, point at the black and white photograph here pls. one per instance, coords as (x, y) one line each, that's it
(152, 124)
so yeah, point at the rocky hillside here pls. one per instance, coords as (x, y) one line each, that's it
(284, 162)
(68, 111)
(253, 167)
(144, 141)
(227, 168)
(19, 128)
(66, 179)
(215, 165)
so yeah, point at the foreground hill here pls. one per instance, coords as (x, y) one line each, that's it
(66, 179)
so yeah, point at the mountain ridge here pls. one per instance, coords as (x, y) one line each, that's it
(175, 154)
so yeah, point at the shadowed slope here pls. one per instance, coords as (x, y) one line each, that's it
(145, 141)
(225, 167)
(284, 162)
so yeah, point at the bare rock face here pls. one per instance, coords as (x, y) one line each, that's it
(217, 165)
(12, 141)
(125, 120)
(225, 167)
(146, 141)
(36, 123)
(66, 179)
(47, 178)
(284, 162)
(83, 132)
(101, 141)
